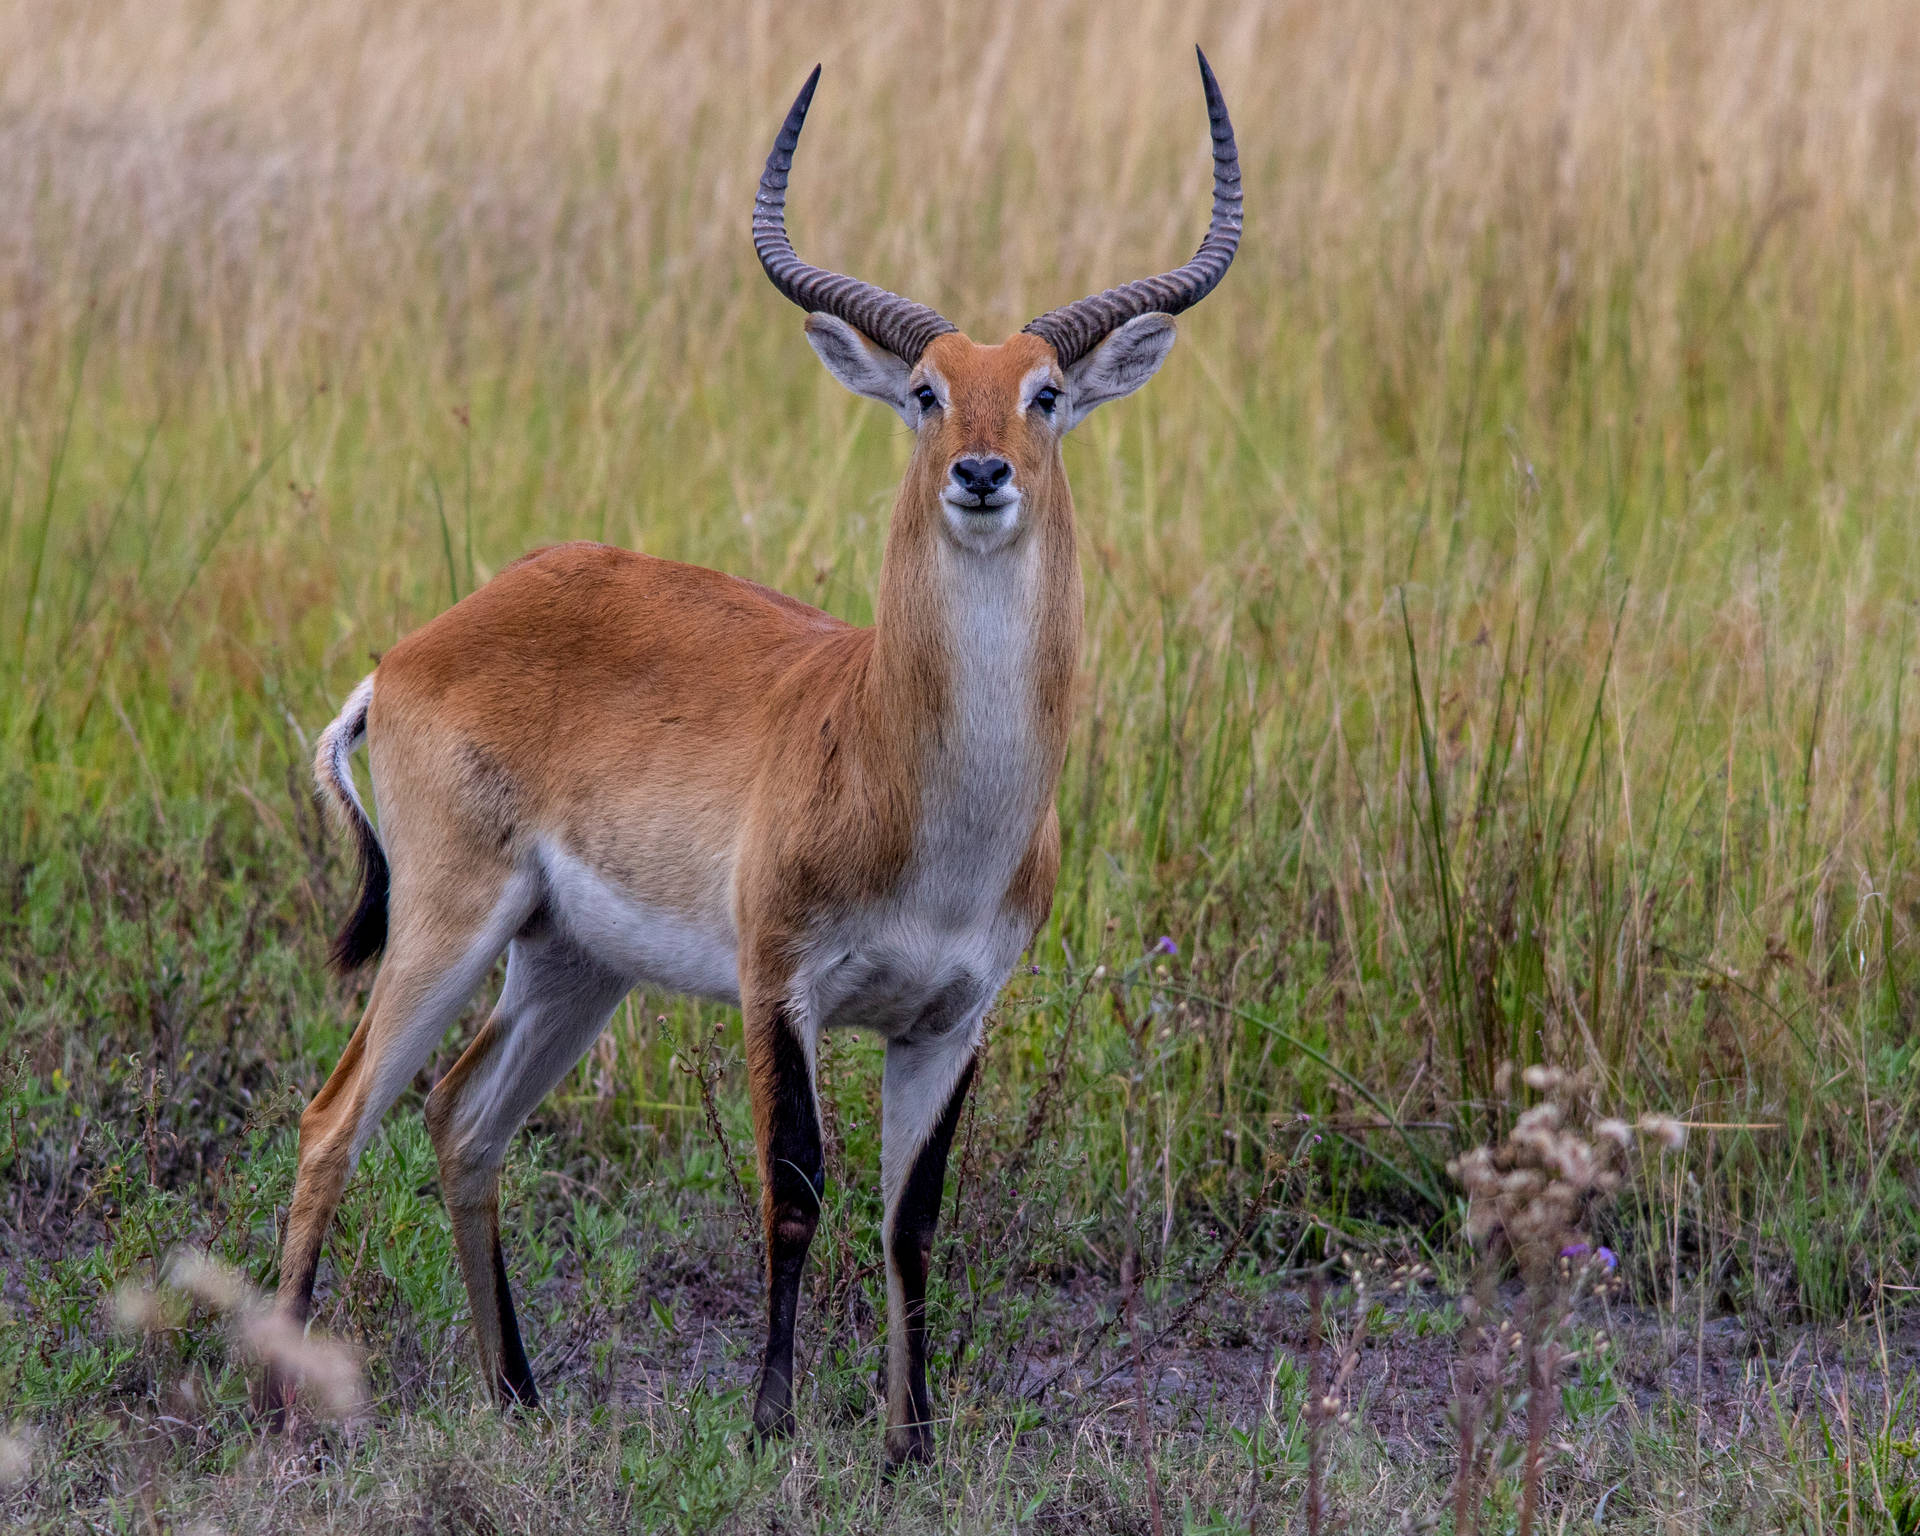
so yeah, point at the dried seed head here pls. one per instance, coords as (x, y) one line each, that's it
(1670, 1133)
(136, 1309)
(1542, 1117)
(16, 1457)
(322, 1366)
(207, 1280)
(1533, 1190)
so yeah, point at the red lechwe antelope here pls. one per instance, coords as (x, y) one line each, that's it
(625, 772)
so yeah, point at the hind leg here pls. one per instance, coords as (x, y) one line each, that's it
(555, 1003)
(428, 975)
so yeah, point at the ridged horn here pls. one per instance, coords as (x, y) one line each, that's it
(1076, 329)
(901, 326)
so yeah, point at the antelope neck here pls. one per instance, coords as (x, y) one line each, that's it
(973, 659)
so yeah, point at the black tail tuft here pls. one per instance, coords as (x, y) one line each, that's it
(364, 935)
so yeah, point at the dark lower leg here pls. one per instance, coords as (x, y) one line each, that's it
(472, 1189)
(475, 1217)
(553, 1005)
(298, 1266)
(317, 1187)
(795, 1180)
(515, 1384)
(326, 1129)
(299, 1269)
(910, 1256)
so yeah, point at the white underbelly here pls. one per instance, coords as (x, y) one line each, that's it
(691, 952)
(916, 965)
(903, 978)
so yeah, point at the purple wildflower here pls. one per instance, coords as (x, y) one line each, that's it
(1604, 1257)
(1164, 945)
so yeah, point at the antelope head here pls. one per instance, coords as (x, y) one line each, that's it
(989, 419)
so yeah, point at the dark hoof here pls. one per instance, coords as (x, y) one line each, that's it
(908, 1445)
(516, 1396)
(773, 1411)
(274, 1403)
(771, 1425)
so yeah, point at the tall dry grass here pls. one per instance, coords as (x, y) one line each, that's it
(1587, 332)
(1661, 244)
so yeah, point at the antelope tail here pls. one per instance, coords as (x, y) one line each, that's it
(363, 935)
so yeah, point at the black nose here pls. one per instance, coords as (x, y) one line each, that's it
(981, 477)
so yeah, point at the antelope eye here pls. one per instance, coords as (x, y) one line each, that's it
(1046, 399)
(927, 398)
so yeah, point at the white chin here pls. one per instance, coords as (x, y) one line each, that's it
(983, 528)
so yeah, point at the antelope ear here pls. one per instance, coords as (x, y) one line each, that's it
(864, 366)
(1119, 365)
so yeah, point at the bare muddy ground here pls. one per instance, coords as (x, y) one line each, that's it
(1241, 1352)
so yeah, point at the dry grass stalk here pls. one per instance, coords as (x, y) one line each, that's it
(1326, 1399)
(707, 1073)
(1143, 1427)
(1137, 1034)
(326, 1372)
(1316, 1402)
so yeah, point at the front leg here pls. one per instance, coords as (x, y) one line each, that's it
(786, 1123)
(921, 1096)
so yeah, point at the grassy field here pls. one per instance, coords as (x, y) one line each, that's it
(1500, 612)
